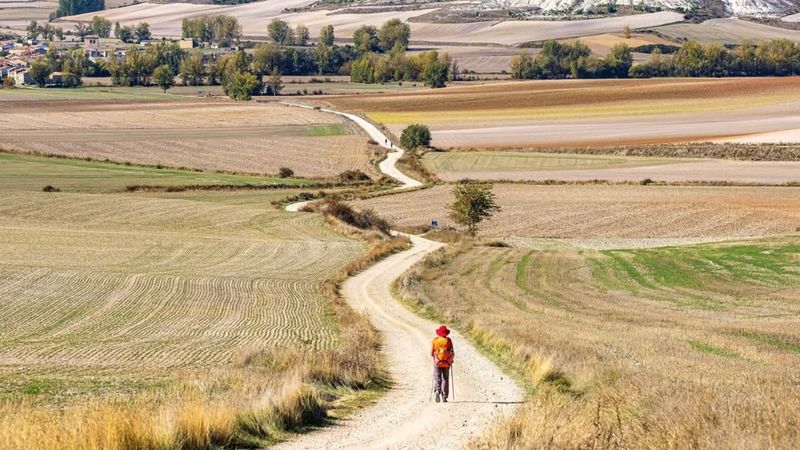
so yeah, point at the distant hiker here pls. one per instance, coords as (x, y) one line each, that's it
(443, 354)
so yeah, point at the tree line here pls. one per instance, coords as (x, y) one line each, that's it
(780, 57)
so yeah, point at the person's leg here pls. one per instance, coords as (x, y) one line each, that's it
(445, 377)
(437, 383)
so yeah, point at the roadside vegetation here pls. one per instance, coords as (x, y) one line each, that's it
(653, 348)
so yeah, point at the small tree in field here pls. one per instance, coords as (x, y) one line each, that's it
(164, 77)
(285, 172)
(626, 32)
(414, 136)
(472, 204)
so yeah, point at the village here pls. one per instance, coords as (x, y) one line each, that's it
(18, 55)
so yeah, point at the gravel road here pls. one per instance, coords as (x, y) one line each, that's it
(405, 418)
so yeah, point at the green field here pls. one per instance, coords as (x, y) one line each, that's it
(20, 172)
(518, 161)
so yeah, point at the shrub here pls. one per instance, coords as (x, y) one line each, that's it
(353, 176)
(50, 188)
(414, 136)
(365, 220)
(285, 172)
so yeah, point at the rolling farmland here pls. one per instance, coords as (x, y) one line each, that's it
(514, 166)
(120, 288)
(199, 134)
(591, 112)
(648, 348)
(600, 215)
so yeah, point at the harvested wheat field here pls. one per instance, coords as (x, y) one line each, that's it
(590, 112)
(728, 30)
(453, 166)
(134, 285)
(591, 212)
(679, 347)
(165, 20)
(199, 134)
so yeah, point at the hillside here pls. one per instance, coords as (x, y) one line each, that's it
(735, 7)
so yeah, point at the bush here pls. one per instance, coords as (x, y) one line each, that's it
(364, 220)
(415, 136)
(353, 176)
(285, 172)
(50, 188)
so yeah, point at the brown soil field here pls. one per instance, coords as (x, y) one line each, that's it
(565, 93)
(603, 211)
(202, 134)
(590, 112)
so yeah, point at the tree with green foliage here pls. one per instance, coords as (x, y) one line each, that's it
(435, 69)
(142, 32)
(522, 66)
(74, 62)
(472, 204)
(326, 35)
(73, 7)
(266, 58)
(394, 32)
(82, 30)
(47, 31)
(365, 39)
(39, 71)
(301, 35)
(124, 34)
(415, 136)
(164, 77)
(280, 32)
(192, 69)
(32, 29)
(240, 85)
(100, 26)
(59, 33)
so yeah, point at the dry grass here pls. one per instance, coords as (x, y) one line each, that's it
(199, 134)
(609, 212)
(245, 392)
(686, 347)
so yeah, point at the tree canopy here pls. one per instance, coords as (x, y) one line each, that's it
(472, 204)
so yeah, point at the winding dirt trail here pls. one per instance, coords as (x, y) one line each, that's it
(405, 417)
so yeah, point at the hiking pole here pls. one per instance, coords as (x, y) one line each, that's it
(452, 382)
(430, 395)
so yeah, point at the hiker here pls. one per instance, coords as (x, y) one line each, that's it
(442, 352)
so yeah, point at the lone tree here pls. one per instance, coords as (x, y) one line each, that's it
(164, 77)
(414, 136)
(472, 204)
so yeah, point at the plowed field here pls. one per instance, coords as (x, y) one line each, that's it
(202, 134)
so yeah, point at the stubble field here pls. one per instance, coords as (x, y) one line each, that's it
(531, 166)
(590, 214)
(660, 348)
(124, 287)
(193, 133)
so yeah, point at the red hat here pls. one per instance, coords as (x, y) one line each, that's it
(442, 331)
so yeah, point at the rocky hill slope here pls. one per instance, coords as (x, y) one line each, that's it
(758, 8)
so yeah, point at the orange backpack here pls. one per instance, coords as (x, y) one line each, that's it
(442, 351)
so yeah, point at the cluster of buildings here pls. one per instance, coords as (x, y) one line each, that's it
(16, 57)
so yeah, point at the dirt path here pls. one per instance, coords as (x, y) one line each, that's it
(405, 417)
